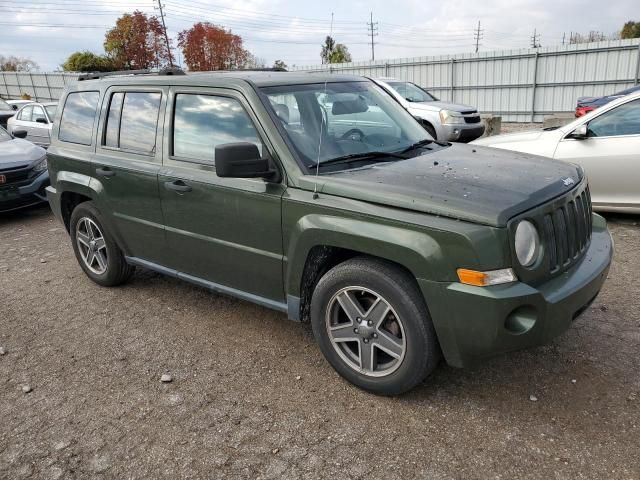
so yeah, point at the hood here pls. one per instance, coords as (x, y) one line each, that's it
(526, 136)
(476, 184)
(440, 105)
(535, 142)
(18, 153)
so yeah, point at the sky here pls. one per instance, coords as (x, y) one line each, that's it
(47, 31)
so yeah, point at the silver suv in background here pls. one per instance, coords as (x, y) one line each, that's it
(443, 120)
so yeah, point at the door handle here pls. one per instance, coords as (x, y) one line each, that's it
(177, 185)
(105, 172)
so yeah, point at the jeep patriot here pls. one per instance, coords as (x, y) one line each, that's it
(321, 197)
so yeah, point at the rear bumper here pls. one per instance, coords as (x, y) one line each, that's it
(463, 133)
(13, 198)
(478, 322)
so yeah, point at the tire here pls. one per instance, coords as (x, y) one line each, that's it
(106, 264)
(430, 130)
(406, 326)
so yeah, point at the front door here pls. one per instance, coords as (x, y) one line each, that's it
(39, 127)
(610, 156)
(127, 161)
(226, 231)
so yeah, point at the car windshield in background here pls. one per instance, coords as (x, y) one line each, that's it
(4, 105)
(4, 136)
(51, 111)
(411, 92)
(326, 122)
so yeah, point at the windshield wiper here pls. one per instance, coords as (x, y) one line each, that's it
(413, 146)
(377, 156)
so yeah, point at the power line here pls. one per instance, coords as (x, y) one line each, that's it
(373, 32)
(477, 36)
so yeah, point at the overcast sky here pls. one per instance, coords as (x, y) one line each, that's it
(47, 31)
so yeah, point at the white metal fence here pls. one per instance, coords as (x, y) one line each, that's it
(42, 87)
(520, 85)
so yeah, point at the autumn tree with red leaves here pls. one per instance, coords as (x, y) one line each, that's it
(209, 47)
(137, 42)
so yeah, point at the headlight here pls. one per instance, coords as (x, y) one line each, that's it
(451, 118)
(41, 166)
(527, 243)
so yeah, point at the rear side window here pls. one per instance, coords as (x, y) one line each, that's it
(202, 122)
(76, 124)
(132, 121)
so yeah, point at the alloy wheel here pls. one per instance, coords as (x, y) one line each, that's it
(91, 245)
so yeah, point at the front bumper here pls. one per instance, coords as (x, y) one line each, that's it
(13, 198)
(463, 132)
(478, 322)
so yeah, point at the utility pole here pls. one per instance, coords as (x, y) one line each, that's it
(166, 37)
(535, 39)
(563, 37)
(477, 36)
(373, 32)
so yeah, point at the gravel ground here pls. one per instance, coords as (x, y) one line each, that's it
(252, 397)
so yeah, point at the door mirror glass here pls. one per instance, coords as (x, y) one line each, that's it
(580, 133)
(20, 133)
(241, 160)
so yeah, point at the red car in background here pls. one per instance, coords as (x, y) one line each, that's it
(586, 104)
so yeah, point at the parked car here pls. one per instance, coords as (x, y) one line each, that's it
(37, 119)
(588, 104)
(16, 104)
(23, 172)
(605, 142)
(396, 248)
(445, 122)
(6, 112)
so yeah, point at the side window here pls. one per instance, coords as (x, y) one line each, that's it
(139, 121)
(76, 123)
(38, 112)
(622, 120)
(201, 122)
(25, 114)
(113, 120)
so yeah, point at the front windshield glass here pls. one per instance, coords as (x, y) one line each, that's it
(4, 105)
(329, 121)
(411, 92)
(4, 136)
(51, 111)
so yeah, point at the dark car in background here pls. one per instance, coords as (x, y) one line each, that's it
(6, 112)
(587, 104)
(23, 172)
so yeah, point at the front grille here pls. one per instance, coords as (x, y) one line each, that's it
(15, 176)
(475, 119)
(567, 231)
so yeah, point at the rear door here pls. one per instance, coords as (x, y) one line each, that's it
(128, 158)
(226, 231)
(610, 156)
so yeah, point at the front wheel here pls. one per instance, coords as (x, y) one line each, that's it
(373, 326)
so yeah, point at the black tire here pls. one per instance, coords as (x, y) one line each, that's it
(421, 349)
(117, 269)
(430, 130)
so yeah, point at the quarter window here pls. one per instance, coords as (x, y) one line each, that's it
(132, 121)
(76, 123)
(622, 120)
(201, 122)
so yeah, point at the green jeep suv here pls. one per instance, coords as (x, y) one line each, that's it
(321, 197)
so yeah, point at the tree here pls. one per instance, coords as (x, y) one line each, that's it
(333, 52)
(209, 47)
(88, 62)
(17, 64)
(630, 30)
(280, 64)
(137, 42)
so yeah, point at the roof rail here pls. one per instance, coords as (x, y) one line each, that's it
(98, 75)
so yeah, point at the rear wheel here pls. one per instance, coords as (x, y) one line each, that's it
(95, 249)
(373, 327)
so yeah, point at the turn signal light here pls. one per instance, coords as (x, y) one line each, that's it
(484, 279)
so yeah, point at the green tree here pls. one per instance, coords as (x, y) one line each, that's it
(280, 64)
(333, 52)
(630, 30)
(88, 62)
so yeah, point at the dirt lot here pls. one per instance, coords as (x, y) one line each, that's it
(252, 397)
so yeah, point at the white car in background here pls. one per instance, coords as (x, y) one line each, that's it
(605, 142)
(16, 104)
(445, 122)
(37, 120)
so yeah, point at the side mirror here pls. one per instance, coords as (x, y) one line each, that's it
(19, 133)
(42, 120)
(241, 160)
(15, 107)
(580, 133)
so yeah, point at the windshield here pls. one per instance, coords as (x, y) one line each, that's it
(411, 92)
(328, 121)
(4, 105)
(4, 136)
(51, 111)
